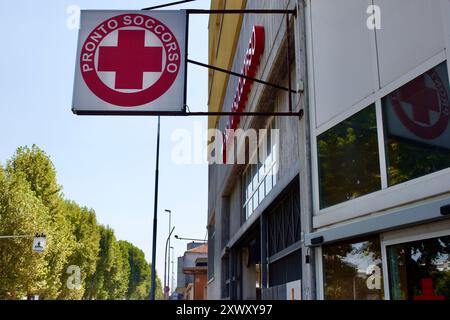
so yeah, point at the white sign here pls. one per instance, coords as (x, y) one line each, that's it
(130, 62)
(39, 243)
(294, 290)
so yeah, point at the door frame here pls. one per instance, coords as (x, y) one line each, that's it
(427, 231)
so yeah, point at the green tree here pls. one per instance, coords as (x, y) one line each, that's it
(159, 295)
(22, 271)
(110, 280)
(31, 202)
(140, 273)
(84, 255)
(40, 173)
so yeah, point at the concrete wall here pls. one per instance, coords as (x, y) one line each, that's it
(224, 197)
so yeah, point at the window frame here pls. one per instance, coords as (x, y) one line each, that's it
(422, 232)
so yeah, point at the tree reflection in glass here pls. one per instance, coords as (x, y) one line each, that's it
(349, 165)
(352, 270)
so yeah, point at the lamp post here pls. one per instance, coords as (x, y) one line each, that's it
(168, 258)
(155, 218)
(165, 264)
(172, 273)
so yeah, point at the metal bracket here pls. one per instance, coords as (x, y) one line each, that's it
(255, 11)
(239, 75)
(243, 11)
(185, 113)
(286, 12)
(230, 11)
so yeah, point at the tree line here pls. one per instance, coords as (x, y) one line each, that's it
(82, 259)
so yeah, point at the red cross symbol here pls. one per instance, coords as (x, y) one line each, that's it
(428, 292)
(422, 99)
(130, 59)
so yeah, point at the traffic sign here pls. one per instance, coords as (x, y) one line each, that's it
(39, 243)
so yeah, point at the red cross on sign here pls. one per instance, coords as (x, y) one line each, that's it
(427, 99)
(428, 292)
(422, 99)
(130, 59)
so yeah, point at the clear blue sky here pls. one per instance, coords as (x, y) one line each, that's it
(106, 163)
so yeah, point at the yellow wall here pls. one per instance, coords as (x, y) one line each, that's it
(224, 32)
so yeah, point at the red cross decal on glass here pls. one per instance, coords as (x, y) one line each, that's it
(422, 99)
(428, 292)
(130, 59)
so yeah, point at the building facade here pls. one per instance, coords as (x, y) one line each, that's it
(192, 273)
(350, 201)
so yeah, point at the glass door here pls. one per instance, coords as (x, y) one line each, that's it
(418, 266)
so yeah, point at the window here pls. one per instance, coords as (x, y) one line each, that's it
(353, 270)
(259, 178)
(349, 165)
(284, 220)
(417, 131)
(420, 269)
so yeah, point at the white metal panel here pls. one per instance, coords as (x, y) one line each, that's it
(343, 55)
(294, 290)
(387, 199)
(412, 31)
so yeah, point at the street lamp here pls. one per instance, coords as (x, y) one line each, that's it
(165, 264)
(189, 239)
(170, 214)
(168, 258)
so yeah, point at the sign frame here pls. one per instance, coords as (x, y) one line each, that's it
(140, 110)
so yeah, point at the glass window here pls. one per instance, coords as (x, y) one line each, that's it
(261, 190)
(269, 182)
(349, 165)
(260, 178)
(255, 200)
(420, 270)
(417, 126)
(353, 270)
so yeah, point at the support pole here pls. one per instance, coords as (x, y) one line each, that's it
(17, 236)
(155, 218)
(165, 264)
(288, 36)
(168, 258)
